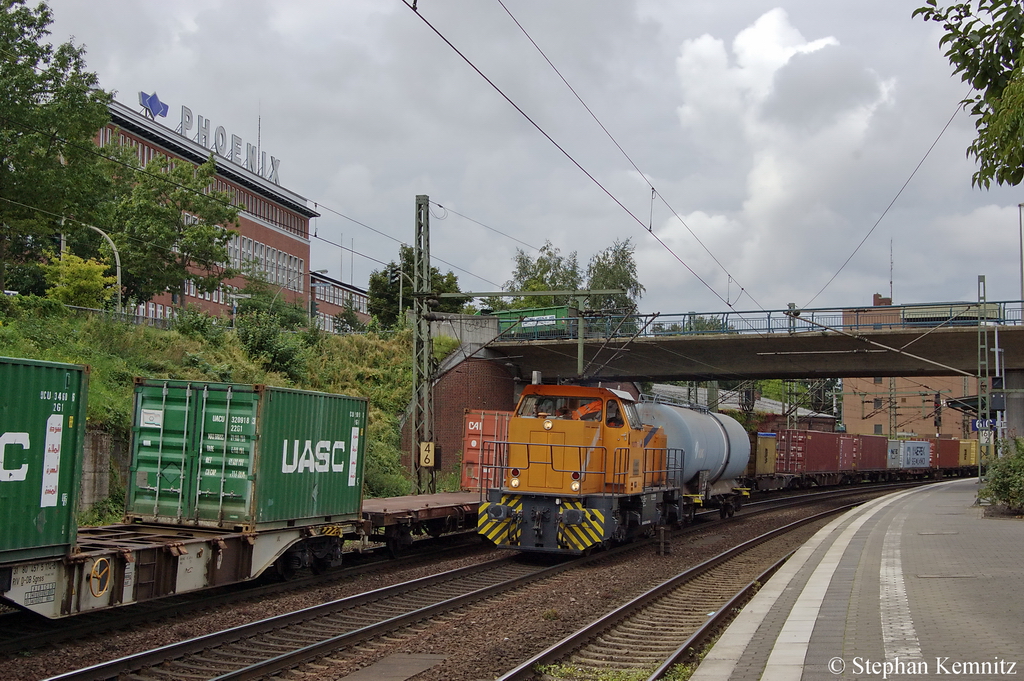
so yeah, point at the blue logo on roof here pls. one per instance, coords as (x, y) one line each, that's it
(153, 105)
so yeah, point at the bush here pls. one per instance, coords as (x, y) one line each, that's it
(193, 322)
(1006, 478)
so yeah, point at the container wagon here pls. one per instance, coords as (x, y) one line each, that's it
(226, 481)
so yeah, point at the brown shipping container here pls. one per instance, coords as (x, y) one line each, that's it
(803, 451)
(945, 453)
(481, 428)
(873, 450)
(848, 452)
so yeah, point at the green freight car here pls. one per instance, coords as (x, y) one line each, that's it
(244, 458)
(42, 426)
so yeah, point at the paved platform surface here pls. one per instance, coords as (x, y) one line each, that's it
(915, 585)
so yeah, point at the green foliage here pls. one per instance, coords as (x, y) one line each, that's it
(614, 267)
(168, 224)
(387, 285)
(263, 340)
(79, 282)
(573, 672)
(50, 109)
(1006, 478)
(984, 45)
(444, 346)
(549, 271)
(194, 322)
(348, 321)
(362, 365)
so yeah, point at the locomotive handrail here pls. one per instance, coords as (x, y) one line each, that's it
(615, 475)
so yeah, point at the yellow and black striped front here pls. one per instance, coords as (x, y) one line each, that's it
(500, 522)
(579, 528)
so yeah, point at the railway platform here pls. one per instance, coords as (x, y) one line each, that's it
(913, 585)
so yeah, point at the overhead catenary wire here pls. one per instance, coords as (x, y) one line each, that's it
(97, 151)
(654, 191)
(887, 208)
(560, 148)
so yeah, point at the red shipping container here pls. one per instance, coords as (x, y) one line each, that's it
(849, 452)
(873, 450)
(807, 451)
(945, 453)
(478, 454)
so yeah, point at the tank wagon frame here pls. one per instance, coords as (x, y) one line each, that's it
(586, 467)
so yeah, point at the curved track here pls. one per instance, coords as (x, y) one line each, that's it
(635, 636)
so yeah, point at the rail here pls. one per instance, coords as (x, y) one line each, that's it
(915, 316)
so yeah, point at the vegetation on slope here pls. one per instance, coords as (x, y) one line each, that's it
(377, 367)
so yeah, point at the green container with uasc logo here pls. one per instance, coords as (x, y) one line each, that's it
(244, 457)
(42, 427)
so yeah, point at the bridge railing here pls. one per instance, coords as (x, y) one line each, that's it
(920, 316)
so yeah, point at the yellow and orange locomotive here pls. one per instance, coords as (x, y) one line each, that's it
(585, 467)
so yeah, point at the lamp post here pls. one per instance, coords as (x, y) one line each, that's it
(1020, 226)
(400, 286)
(117, 258)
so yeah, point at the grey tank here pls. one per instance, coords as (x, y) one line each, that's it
(713, 442)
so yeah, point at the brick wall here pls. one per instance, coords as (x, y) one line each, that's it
(473, 384)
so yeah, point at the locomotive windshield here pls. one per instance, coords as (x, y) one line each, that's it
(557, 407)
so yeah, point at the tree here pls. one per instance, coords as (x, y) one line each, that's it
(549, 271)
(50, 109)
(985, 45)
(395, 280)
(79, 282)
(170, 226)
(614, 267)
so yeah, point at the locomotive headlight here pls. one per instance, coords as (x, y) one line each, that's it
(513, 483)
(547, 424)
(575, 486)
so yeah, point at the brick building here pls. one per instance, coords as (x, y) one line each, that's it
(273, 229)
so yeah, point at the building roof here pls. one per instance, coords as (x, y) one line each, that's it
(131, 121)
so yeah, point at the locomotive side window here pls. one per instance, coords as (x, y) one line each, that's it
(555, 407)
(614, 419)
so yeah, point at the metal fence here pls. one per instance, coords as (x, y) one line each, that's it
(919, 316)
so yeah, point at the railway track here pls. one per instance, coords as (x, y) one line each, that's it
(260, 648)
(23, 631)
(635, 637)
(287, 641)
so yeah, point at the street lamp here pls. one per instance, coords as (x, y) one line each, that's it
(400, 286)
(1020, 225)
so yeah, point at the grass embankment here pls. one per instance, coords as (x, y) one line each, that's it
(378, 367)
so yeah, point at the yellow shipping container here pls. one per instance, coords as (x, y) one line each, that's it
(764, 456)
(968, 453)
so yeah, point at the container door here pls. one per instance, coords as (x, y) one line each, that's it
(226, 419)
(163, 456)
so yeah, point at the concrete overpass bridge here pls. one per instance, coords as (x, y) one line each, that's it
(933, 339)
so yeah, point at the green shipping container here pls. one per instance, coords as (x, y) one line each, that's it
(244, 457)
(42, 427)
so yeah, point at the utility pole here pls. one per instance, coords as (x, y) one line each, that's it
(423, 460)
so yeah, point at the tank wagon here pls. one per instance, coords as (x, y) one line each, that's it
(584, 467)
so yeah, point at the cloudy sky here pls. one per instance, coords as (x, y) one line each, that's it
(776, 135)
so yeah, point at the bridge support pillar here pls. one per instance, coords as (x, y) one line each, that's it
(1014, 403)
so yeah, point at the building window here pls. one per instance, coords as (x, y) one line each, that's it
(878, 380)
(878, 429)
(878, 403)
